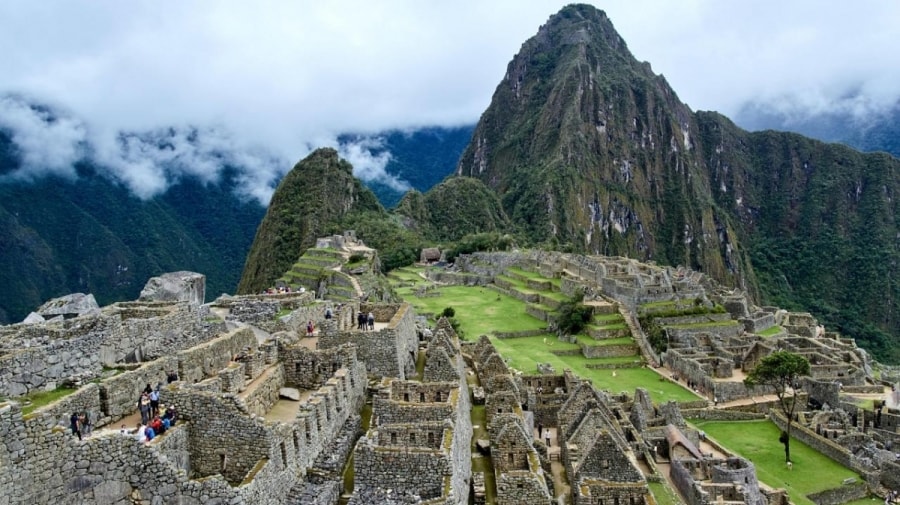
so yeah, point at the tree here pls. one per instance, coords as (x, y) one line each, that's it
(781, 370)
(573, 315)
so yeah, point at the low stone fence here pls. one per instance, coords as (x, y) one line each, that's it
(609, 351)
(519, 334)
(722, 415)
(613, 366)
(839, 495)
(86, 399)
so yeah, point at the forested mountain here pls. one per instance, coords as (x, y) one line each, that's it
(588, 147)
(870, 129)
(92, 235)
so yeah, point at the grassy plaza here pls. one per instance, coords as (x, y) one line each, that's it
(483, 311)
(758, 442)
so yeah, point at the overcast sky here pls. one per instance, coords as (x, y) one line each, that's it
(264, 82)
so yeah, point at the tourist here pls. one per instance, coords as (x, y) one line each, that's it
(123, 430)
(73, 423)
(149, 433)
(154, 402)
(547, 437)
(327, 313)
(371, 321)
(144, 406)
(90, 419)
(540, 430)
(309, 328)
(172, 415)
(157, 425)
(171, 376)
(141, 433)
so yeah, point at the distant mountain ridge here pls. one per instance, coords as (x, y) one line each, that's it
(869, 131)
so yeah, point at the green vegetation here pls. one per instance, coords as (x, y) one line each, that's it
(781, 370)
(573, 315)
(771, 331)
(664, 494)
(482, 311)
(812, 471)
(43, 398)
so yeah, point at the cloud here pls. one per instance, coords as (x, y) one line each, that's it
(47, 143)
(266, 82)
(369, 160)
(149, 162)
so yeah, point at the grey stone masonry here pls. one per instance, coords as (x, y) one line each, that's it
(389, 352)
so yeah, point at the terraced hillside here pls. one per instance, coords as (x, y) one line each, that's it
(516, 312)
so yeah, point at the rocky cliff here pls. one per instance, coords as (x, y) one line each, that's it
(586, 146)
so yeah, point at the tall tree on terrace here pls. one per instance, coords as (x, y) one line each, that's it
(781, 370)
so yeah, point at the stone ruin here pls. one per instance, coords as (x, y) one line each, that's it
(270, 416)
(266, 417)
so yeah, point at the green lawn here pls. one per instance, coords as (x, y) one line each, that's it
(481, 311)
(758, 442)
(664, 494)
(768, 332)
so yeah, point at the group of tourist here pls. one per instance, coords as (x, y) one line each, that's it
(282, 290)
(165, 418)
(148, 403)
(365, 321)
(82, 423)
(892, 497)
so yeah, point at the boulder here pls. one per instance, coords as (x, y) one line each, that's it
(69, 306)
(33, 318)
(175, 287)
(290, 394)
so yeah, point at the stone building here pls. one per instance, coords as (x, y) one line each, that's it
(417, 446)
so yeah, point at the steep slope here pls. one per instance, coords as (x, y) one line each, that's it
(820, 221)
(452, 209)
(587, 147)
(316, 194)
(92, 235)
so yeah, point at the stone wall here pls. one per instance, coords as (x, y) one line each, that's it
(390, 352)
(307, 369)
(42, 356)
(518, 487)
(378, 467)
(609, 351)
(839, 495)
(265, 391)
(206, 359)
(119, 394)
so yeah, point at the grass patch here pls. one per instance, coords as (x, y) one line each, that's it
(770, 331)
(664, 494)
(44, 398)
(758, 442)
(480, 311)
